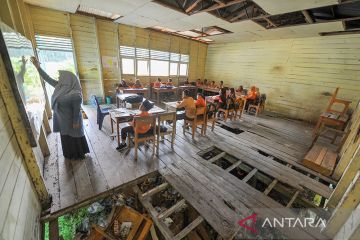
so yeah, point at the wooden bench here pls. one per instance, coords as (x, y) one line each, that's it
(320, 159)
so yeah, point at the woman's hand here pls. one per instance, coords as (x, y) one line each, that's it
(35, 62)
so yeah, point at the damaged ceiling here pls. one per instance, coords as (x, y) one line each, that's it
(227, 20)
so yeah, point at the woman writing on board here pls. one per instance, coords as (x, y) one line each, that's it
(66, 102)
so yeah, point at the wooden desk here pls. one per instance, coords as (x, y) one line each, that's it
(158, 91)
(191, 88)
(122, 115)
(120, 98)
(209, 91)
(170, 106)
(140, 91)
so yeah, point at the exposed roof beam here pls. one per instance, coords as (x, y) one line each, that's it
(218, 6)
(270, 22)
(307, 16)
(192, 6)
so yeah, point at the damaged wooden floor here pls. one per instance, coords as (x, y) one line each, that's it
(270, 144)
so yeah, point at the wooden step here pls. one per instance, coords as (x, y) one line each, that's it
(320, 159)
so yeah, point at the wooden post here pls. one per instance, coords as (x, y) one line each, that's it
(344, 209)
(54, 229)
(21, 136)
(43, 142)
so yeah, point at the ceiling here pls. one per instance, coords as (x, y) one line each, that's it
(146, 13)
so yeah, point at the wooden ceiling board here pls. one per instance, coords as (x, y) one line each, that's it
(66, 5)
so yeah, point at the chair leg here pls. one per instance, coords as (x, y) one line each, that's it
(193, 131)
(136, 150)
(172, 140)
(158, 144)
(154, 147)
(100, 121)
(184, 126)
(213, 125)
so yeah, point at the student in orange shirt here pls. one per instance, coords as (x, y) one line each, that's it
(169, 82)
(137, 84)
(221, 84)
(157, 84)
(188, 103)
(142, 129)
(200, 101)
(213, 85)
(205, 83)
(251, 97)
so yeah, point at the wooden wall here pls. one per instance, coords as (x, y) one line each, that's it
(19, 206)
(296, 74)
(94, 39)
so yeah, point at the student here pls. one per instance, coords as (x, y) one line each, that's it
(205, 83)
(221, 84)
(251, 97)
(142, 129)
(137, 84)
(200, 101)
(199, 83)
(67, 117)
(222, 98)
(123, 84)
(232, 93)
(187, 82)
(188, 103)
(157, 84)
(213, 85)
(169, 83)
(240, 90)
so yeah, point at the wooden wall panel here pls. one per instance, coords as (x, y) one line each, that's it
(109, 49)
(296, 74)
(18, 199)
(127, 35)
(49, 22)
(85, 39)
(160, 41)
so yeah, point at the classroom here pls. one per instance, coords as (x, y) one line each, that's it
(179, 119)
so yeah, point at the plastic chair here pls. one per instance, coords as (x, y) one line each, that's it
(101, 112)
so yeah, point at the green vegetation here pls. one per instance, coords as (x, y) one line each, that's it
(70, 222)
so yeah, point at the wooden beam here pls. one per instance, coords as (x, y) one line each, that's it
(232, 167)
(219, 2)
(250, 175)
(218, 6)
(54, 229)
(189, 228)
(271, 186)
(292, 199)
(217, 157)
(172, 209)
(192, 6)
(270, 22)
(155, 190)
(307, 16)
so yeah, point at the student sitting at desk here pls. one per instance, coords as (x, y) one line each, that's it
(200, 101)
(188, 103)
(169, 83)
(123, 84)
(221, 84)
(142, 129)
(251, 97)
(157, 84)
(137, 84)
(199, 83)
(205, 84)
(213, 85)
(187, 82)
(240, 90)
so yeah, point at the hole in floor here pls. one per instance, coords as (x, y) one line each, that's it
(282, 193)
(210, 153)
(230, 129)
(241, 171)
(260, 181)
(223, 163)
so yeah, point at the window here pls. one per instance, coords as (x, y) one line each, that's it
(145, 62)
(55, 53)
(142, 67)
(127, 66)
(159, 68)
(174, 69)
(183, 69)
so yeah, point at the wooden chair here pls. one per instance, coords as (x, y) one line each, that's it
(333, 117)
(163, 119)
(230, 109)
(212, 119)
(259, 106)
(200, 119)
(239, 107)
(138, 137)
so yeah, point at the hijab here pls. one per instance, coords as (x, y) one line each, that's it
(68, 84)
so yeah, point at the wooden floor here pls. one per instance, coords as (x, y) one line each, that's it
(220, 197)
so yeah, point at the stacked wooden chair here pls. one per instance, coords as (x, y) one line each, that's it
(321, 158)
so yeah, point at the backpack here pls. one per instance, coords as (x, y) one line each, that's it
(134, 99)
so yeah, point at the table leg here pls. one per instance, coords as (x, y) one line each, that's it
(112, 125)
(118, 131)
(157, 97)
(117, 102)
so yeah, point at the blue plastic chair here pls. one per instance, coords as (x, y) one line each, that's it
(101, 112)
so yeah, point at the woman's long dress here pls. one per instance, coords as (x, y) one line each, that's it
(66, 112)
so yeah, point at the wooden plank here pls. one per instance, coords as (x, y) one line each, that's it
(171, 210)
(217, 157)
(250, 175)
(153, 213)
(232, 167)
(292, 199)
(218, 5)
(189, 228)
(155, 190)
(270, 187)
(54, 229)
(192, 6)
